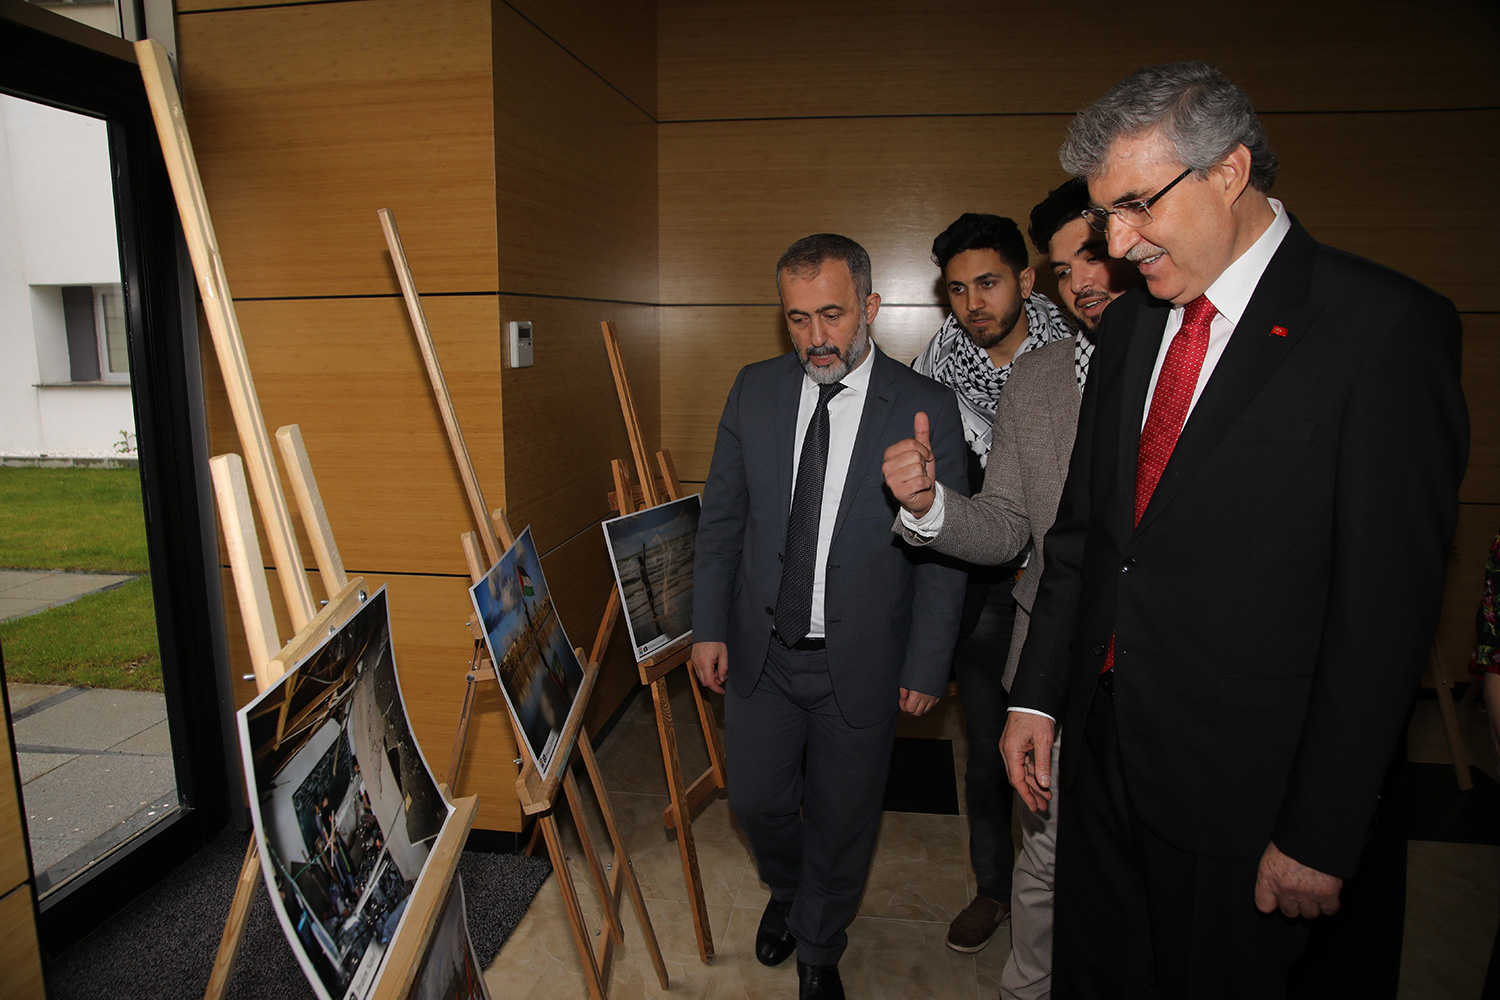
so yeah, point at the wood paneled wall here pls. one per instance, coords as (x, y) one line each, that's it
(516, 146)
(885, 120)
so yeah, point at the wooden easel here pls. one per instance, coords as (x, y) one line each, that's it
(269, 658)
(627, 499)
(537, 793)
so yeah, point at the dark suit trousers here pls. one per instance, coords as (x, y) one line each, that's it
(979, 666)
(812, 829)
(1137, 917)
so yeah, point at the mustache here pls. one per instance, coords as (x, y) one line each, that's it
(1142, 251)
(818, 352)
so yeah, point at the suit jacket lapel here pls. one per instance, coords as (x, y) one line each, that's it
(1252, 354)
(882, 395)
(1140, 360)
(788, 397)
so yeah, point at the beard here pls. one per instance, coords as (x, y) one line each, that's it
(848, 359)
(998, 331)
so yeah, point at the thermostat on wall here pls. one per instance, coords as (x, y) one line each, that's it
(520, 343)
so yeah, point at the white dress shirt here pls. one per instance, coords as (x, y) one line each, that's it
(844, 411)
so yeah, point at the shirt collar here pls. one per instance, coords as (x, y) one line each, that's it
(1231, 292)
(857, 381)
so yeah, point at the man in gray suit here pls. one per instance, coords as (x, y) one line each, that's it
(1035, 422)
(820, 624)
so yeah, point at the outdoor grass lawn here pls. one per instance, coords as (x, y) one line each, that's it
(84, 519)
(80, 519)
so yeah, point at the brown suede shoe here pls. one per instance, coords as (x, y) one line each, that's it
(972, 929)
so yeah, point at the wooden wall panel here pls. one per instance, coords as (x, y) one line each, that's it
(789, 58)
(1482, 390)
(15, 867)
(306, 119)
(576, 174)
(433, 648)
(614, 38)
(1477, 524)
(695, 382)
(735, 194)
(349, 373)
(563, 417)
(20, 953)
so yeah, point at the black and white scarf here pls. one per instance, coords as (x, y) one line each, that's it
(953, 359)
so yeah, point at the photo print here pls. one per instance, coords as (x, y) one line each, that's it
(652, 553)
(345, 807)
(537, 667)
(450, 969)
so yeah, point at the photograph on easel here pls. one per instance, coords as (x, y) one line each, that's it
(536, 665)
(652, 554)
(345, 807)
(450, 969)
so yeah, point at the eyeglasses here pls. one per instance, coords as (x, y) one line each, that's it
(1134, 214)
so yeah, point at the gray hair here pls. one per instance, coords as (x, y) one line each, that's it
(1201, 113)
(806, 257)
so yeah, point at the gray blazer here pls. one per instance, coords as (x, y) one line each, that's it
(1035, 422)
(892, 613)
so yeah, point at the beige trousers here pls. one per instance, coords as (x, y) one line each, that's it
(1028, 971)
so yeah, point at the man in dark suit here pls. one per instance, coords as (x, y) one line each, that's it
(821, 623)
(1244, 576)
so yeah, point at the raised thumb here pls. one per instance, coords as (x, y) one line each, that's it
(921, 431)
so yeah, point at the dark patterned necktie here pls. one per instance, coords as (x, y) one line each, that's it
(1169, 406)
(794, 600)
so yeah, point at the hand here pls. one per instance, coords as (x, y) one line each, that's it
(917, 703)
(910, 470)
(1295, 889)
(1026, 748)
(711, 664)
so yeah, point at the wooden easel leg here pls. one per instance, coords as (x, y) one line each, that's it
(234, 924)
(570, 903)
(1444, 688)
(624, 868)
(710, 731)
(586, 842)
(681, 818)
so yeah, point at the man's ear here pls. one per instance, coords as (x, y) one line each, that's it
(1026, 280)
(872, 306)
(1233, 173)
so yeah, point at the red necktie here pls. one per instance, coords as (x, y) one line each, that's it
(1169, 407)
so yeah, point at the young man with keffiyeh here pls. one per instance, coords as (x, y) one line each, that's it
(996, 317)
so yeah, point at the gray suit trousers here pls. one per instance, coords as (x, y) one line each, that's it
(813, 833)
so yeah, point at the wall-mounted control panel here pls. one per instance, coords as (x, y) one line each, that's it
(520, 343)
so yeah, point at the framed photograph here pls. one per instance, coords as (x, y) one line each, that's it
(345, 807)
(652, 554)
(537, 667)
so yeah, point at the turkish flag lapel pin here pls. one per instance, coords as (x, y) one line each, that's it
(1278, 331)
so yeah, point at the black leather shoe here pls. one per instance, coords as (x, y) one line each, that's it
(773, 942)
(819, 982)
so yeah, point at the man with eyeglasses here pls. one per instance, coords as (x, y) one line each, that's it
(1220, 630)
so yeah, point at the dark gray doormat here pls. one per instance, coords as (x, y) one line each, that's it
(162, 945)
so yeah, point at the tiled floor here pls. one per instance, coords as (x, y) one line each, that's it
(920, 878)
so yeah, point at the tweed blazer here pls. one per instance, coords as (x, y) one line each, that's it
(1035, 422)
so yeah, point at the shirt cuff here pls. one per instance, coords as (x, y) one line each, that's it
(1032, 711)
(930, 524)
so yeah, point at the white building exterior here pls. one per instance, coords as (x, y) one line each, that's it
(64, 372)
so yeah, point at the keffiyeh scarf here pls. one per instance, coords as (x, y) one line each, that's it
(953, 359)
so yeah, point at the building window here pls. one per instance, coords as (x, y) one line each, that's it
(94, 319)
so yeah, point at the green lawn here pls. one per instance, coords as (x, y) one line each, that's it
(80, 519)
(102, 640)
(87, 519)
